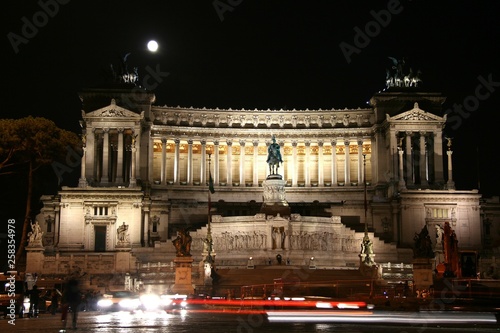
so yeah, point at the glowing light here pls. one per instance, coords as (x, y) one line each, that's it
(152, 46)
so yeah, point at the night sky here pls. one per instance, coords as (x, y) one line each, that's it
(262, 54)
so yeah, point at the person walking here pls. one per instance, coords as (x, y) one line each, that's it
(54, 301)
(72, 297)
(34, 301)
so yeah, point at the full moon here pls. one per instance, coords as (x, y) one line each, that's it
(152, 46)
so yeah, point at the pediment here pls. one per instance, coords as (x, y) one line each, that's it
(416, 114)
(112, 111)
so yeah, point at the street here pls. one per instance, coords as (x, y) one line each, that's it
(239, 322)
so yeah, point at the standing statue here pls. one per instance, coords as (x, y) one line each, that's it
(122, 232)
(274, 157)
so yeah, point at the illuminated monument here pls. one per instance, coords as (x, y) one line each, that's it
(344, 178)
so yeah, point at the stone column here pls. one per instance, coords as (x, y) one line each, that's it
(119, 158)
(295, 171)
(402, 184)
(176, 162)
(438, 158)
(409, 160)
(450, 184)
(190, 162)
(90, 158)
(216, 162)
(163, 164)
(133, 182)
(105, 156)
(150, 151)
(242, 162)
(334, 163)
(203, 167)
(308, 158)
(83, 181)
(360, 162)
(145, 227)
(423, 161)
(347, 173)
(321, 181)
(255, 179)
(229, 169)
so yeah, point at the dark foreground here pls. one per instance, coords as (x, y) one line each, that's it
(255, 321)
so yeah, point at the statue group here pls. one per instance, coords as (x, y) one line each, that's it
(182, 243)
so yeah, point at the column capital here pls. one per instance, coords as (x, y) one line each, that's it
(164, 140)
(177, 141)
(307, 143)
(346, 142)
(216, 142)
(120, 129)
(294, 143)
(255, 143)
(229, 142)
(334, 143)
(203, 142)
(242, 143)
(190, 141)
(360, 142)
(320, 143)
(105, 130)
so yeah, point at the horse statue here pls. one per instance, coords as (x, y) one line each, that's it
(274, 157)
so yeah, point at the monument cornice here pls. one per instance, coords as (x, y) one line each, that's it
(184, 132)
(333, 118)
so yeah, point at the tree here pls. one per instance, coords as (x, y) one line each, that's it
(26, 145)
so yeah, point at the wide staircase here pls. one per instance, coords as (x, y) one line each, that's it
(289, 281)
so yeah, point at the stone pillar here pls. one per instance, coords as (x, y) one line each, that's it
(90, 157)
(438, 159)
(229, 162)
(321, 181)
(306, 169)
(190, 162)
(176, 162)
(203, 167)
(133, 182)
(150, 153)
(423, 160)
(360, 162)
(216, 162)
(255, 179)
(450, 184)
(242, 162)
(295, 172)
(105, 157)
(163, 164)
(82, 182)
(402, 184)
(334, 163)
(409, 160)
(119, 158)
(347, 169)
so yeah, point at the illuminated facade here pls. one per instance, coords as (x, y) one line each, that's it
(147, 167)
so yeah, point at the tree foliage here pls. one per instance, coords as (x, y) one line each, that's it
(27, 144)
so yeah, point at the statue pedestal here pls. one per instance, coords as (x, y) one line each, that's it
(35, 257)
(422, 273)
(183, 268)
(274, 197)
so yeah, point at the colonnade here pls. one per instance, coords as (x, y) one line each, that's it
(334, 163)
(110, 155)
